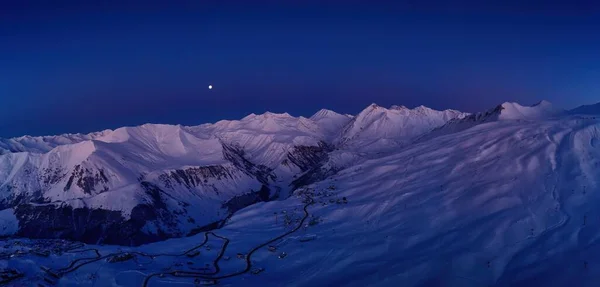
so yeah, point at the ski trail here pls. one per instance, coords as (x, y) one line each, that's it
(565, 164)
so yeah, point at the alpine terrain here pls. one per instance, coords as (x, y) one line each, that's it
(387, 197)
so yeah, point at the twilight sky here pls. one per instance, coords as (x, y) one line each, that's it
(82, 68)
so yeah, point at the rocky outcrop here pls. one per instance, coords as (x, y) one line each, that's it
(195, 176)
(235, 155)
(245, 200)
(314, 175)
(308, 157)
(88, 180)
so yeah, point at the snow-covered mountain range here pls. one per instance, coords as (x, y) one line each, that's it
(146, 183)
(138, 184)
(402, 197)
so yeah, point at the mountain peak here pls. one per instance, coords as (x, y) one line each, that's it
(593, 109)
(322, 113)
(250, 116)
(266, 115)
(541, 110)
(397, 123)
(542, 103)
(398, 107)
(422, 108)
(277, 115)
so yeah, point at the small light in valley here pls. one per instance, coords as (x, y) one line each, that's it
(210, 87)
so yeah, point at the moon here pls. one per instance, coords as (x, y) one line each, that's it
(210, 87)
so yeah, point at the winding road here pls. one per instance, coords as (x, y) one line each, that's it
(202, 275)
(73, 266)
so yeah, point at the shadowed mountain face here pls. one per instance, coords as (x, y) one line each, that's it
(141, 184)
(586, 110)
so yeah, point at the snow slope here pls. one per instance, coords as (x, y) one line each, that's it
(504, 204)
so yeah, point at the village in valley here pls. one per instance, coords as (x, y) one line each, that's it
(52, 262)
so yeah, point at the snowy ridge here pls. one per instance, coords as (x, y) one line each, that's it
(586, 110)
(396, 122)
(377, 127)
(539, 111)
(508, 111)
(45, 143)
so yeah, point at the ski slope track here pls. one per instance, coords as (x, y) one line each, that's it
(506, 197)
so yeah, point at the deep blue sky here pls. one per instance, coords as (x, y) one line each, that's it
(81, 68)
